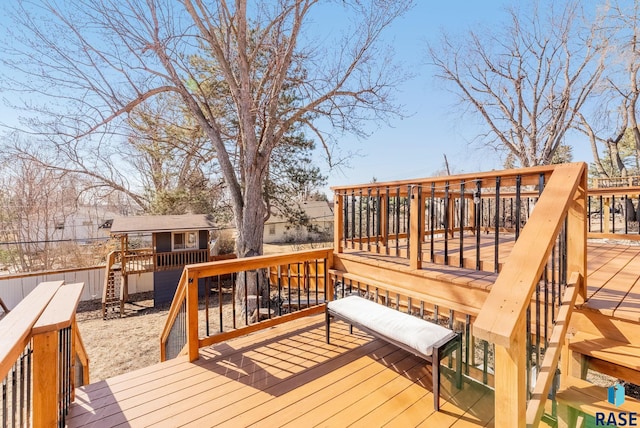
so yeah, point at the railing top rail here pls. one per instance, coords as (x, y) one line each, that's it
(60, 310)
(622, 190)
(15, 327)
(504, 308)
(505, 174)
(223, 267)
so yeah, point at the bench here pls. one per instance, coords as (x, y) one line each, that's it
(425, 339)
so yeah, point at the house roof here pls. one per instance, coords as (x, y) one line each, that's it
(316, 211)
(162, 223)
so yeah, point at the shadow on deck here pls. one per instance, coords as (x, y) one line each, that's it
(284, 376)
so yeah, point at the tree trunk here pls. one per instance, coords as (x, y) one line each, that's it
(250, 237)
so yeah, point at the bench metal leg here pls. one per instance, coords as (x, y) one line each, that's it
(435, 374)
(459, 364)
(326, 322)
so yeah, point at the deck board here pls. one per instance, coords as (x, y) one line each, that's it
(284, 375)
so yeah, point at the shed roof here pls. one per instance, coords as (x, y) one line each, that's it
(162, 223)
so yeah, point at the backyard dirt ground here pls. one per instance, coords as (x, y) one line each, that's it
(120, 345)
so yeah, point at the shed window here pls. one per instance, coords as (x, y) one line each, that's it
(185, 240)
(272, 229)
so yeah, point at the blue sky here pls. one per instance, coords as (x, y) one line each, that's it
(414, 147)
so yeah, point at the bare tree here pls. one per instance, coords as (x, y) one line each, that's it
(612, 123)
(34, 206)
(89, 63)
(526, 80)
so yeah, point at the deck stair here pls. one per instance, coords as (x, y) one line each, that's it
(605, 347)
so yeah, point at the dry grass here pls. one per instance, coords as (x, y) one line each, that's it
(120, 345)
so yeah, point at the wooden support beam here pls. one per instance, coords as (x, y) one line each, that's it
(192, 316)
(510, 385)
(45, 379)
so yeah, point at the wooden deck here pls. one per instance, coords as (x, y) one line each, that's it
(284, 376)
(613, 282)
(289, 376)
(613, 269)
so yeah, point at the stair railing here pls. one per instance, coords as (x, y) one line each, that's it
(504, 317)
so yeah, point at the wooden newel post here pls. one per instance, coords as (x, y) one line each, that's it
(510, 381)
(45, 379)
(192, 317)
(415, 231)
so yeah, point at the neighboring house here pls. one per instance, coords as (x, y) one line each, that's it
(320, 214)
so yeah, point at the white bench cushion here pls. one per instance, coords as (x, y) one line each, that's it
(414, 332)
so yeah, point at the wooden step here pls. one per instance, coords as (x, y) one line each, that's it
(577, 395)
(612, 357)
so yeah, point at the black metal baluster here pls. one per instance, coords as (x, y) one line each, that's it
(477, 202)
(461, 224)
(345, 217)
(612, 211)
(233, 298)
(353, 218)
(601, 215)
(316, 275)
(207, 291)
(387, 217)
(397, 219)
(360, 221)
(528, 350)
(626, 223)
(518, 204)
(446, 223)
(378, 220)
(496, 258)
(432, 215)
(368, 223)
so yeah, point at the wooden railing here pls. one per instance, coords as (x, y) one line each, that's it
(241, 296)
(506, 318)
(405, 218)
(614, 213)
(609, 182)
(40, 342)
(146, 260)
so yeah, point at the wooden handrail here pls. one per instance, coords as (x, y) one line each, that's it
(258, 262)
(502, 319)
(484, 177)
(15, 327)
(60, 311)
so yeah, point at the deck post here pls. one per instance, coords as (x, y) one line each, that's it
(510, 381)
(338, 223)
(577, 236)
(415, 238)
(192, 316)
(45, 379)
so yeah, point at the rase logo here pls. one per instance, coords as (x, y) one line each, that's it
(615, 396)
